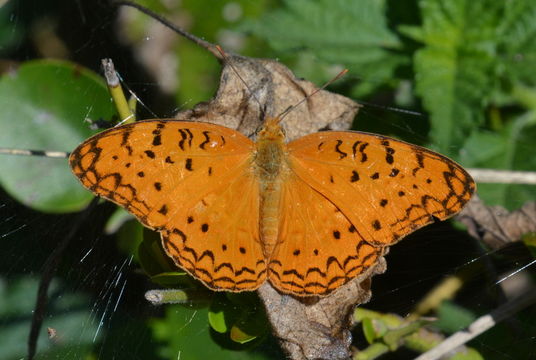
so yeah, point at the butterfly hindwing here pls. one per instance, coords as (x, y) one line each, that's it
(386, 188)
(217, 239)
(319, 249)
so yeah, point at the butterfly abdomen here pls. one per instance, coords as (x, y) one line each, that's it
(270, 168)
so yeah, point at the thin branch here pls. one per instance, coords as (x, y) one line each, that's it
(503, 176)
(204, 44)
(23, 152)
(480, 325)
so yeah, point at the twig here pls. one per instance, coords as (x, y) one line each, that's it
(480, 325)
(178, 296)
(503, 176)
(121, 104)
(204, 44)
(49, 269)
(50, 154)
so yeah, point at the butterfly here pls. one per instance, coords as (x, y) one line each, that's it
(307, 216)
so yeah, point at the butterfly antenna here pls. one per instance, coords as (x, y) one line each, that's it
(290, 108)
(225, 58)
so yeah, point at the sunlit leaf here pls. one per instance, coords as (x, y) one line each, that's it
(45, 106)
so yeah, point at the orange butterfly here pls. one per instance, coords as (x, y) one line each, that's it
(309, 215)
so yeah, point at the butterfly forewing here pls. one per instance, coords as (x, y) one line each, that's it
(385, 187)
(169, 172)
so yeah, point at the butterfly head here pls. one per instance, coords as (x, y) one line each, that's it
(271, 130)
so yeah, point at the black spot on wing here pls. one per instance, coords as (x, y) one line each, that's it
(184, 137)
(355, 176)
(338, 150)
(361, 150)
(207, 140)
(376, 225)
(188, 164)
(125, 136)
(169, 161)
(163, 210)
(354, 147)
(150, 154)
(389, 155)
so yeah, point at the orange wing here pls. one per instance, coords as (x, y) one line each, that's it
(385, 187)
(182, 179)
(319, 248)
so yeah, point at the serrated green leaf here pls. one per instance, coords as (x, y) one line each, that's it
(44, 107)
(346, 32)
(518, 41)
(454, 69)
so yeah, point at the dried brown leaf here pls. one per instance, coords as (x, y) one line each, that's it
(494, 225)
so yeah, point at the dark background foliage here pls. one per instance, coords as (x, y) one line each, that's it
(460, 72)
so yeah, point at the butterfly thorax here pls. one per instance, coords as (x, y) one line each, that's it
(270, 168)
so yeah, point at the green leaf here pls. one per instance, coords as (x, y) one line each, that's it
(468, 354)
(241, 315)
(369, 331)
(511, 149)
(453, 318)
(45, 105)
(217, 317)
(352, 33)
(454, 70)
(184, 333)
(517, 36)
